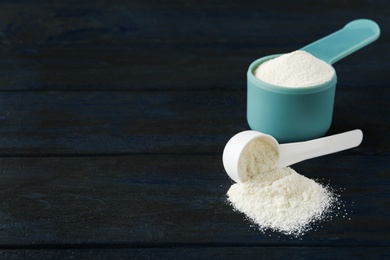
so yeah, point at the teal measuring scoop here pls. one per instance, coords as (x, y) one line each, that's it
(304, 113)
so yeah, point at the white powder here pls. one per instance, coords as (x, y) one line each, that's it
(275, 198)
(295, 69)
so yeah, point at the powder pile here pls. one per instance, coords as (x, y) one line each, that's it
(295, 69)
(274, 198)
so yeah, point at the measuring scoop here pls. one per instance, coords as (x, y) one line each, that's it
(289, 153)
(304, 113)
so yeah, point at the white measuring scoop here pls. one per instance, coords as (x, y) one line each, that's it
(289, 153)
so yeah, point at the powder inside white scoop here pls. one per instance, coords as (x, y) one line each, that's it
(295, 69)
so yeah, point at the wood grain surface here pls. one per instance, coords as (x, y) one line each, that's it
(114, 116)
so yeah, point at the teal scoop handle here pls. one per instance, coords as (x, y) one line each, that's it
(352, 37)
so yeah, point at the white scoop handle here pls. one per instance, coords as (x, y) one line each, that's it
(292, 153)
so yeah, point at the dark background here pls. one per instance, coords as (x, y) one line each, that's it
(114, 116)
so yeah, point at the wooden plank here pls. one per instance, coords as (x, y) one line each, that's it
(131, 67)
(44, 123)
(212, 252)
(160, 200)
(122, 21)
(90, 22)
(174, 66)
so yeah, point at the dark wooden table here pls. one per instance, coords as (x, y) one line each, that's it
(114, 115)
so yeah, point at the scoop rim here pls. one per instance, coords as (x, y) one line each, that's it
(236, 145)
(283, 89)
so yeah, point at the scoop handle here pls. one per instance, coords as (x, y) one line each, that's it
(352, 37)
(292, 153)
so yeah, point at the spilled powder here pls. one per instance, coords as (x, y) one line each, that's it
(295, 69)
(277, 199)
